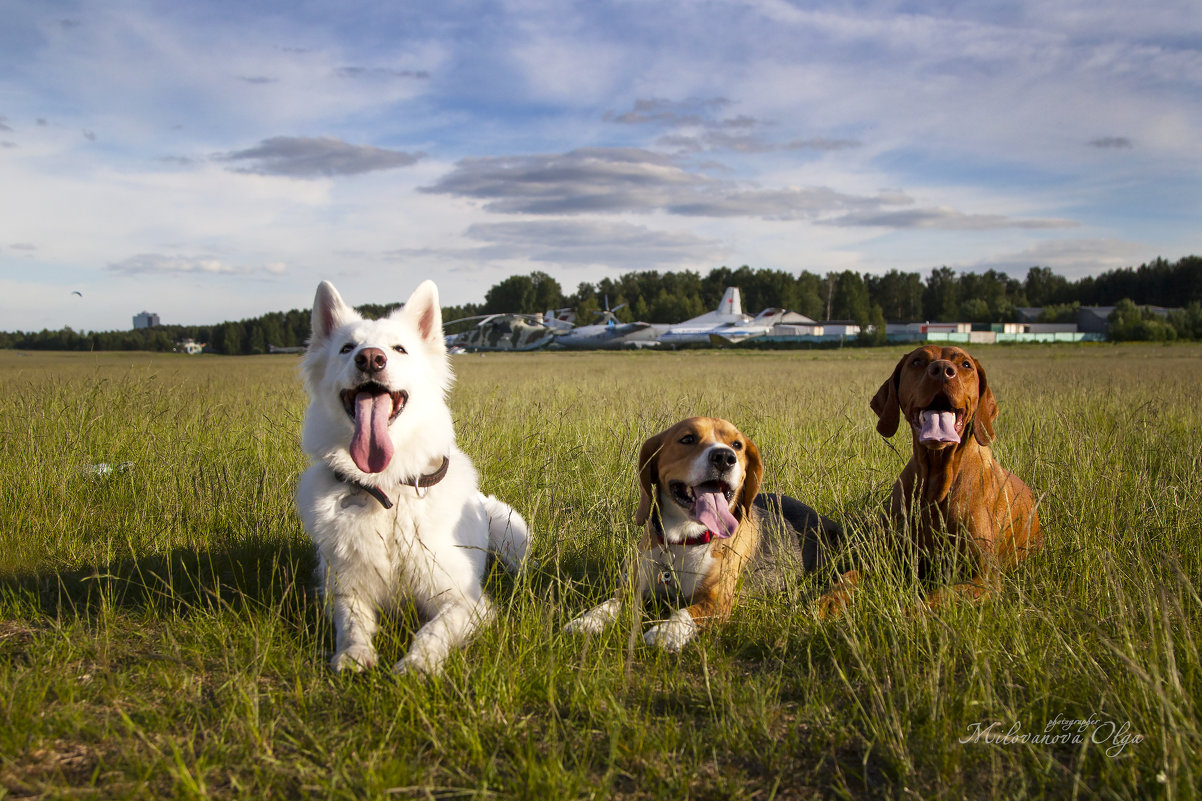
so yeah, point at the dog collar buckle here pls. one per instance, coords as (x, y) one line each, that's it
(421, 484)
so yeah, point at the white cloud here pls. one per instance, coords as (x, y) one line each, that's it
(314, 157)
(1072, 258)
(577, 242)
(159, 263)
(612, 181)
(941, 218)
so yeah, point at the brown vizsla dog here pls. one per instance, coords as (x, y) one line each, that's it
(953, 501)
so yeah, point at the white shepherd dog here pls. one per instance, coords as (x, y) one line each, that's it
(389, 500)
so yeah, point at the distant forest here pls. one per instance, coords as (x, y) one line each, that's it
(944, 295)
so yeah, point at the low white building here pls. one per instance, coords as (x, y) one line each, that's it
(839, 328)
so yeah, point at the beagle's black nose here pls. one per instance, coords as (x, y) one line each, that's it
(723, 458)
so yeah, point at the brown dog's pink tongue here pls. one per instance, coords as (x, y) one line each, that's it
(938, 427)
(712, 511)
(371, 447)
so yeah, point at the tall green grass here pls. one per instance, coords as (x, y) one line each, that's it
(159, 635)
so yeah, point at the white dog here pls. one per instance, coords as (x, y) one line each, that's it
(389, 500)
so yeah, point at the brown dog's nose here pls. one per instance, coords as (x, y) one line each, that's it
(371, 360)
(941, 369)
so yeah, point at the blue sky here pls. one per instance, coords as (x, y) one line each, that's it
(216, 160)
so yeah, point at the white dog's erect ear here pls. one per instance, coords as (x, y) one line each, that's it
(329, 311)
(422, 307)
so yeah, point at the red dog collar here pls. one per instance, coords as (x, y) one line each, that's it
(704, 538)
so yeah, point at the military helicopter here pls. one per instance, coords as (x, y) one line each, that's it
(511, 331)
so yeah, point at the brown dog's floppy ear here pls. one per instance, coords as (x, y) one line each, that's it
(885, 402)
(648, 475)
(987, 409)
(752, 479)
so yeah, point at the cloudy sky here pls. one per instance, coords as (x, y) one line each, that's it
(215, 160)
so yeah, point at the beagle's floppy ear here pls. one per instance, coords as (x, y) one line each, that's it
(751, 479)
(886, 403)
(987, 410)
(648, 475)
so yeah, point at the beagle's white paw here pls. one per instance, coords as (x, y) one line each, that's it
(595, 619)
(674, 633)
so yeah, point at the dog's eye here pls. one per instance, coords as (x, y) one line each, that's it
(399, 349)
(347, 348)
(738, 446)
(688, 439)
(917, 362)
(965, 364)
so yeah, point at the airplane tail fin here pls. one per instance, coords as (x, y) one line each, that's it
(559, 319)
(732, 301)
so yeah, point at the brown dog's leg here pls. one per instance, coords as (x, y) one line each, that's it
(709, 610)
(979, 588)
(838, 597)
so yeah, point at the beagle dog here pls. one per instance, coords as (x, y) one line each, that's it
(953, 500)
(698, 504)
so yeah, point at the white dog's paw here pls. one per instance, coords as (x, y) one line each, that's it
(418, 662)
(354, 657)
(596, 619)
(674, 633)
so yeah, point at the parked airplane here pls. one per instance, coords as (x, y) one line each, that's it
(611, 334)
(764, 323)
(697, 330)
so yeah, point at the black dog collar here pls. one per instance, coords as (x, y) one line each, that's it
(419, 483)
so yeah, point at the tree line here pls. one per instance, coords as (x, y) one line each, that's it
(243, 337)
(655, 297)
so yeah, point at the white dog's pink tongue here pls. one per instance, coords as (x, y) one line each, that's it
(938, 427)
(371, 447)
(712, 511)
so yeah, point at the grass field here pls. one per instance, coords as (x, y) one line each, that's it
(159, 636)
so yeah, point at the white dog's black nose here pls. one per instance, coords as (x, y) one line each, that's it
(371, 360)
(723, 458)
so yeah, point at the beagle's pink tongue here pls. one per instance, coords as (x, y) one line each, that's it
(712, 511)
(371, 447)
(938, 427)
